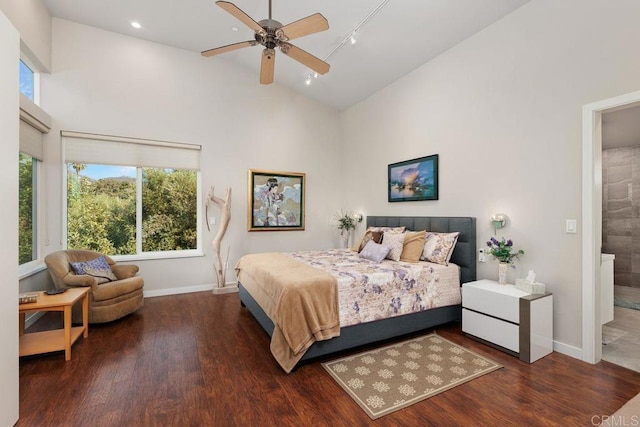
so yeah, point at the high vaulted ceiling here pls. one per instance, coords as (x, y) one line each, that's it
(403, 35)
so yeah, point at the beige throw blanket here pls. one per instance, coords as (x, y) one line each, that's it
(302, 302)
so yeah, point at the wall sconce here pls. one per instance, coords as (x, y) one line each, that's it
(498, 220)
(357, 217)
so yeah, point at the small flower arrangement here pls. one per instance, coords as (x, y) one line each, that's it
(345, 222)
(503, 250)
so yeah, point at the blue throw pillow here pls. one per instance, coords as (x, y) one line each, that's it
(98, 268)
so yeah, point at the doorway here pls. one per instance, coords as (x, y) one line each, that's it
(592, 219)
(621, 237)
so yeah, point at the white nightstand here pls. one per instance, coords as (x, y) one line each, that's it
(517, 322)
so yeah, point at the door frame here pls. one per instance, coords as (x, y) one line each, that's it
(592, 219)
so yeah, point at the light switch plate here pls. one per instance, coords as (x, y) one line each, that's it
(572, 226)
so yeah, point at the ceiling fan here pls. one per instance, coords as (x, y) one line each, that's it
(271, 34)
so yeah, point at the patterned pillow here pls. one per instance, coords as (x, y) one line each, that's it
(438, 247)
(375, 236)
(413, 246)
(374, 251)
(395, 241)
(388, 229)
(98, 268)
(358, 247)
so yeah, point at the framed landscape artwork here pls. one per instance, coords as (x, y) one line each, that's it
(276, 200)
(415, 179)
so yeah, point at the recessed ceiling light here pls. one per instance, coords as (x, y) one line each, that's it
(234, 29)
(136, 24)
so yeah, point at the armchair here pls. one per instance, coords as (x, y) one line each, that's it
(107, 301)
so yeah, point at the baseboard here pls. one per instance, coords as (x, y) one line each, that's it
(228, 289)
(189, 289)
(567, 349)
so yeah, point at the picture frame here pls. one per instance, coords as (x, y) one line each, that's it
(412, 180)
(276, 200)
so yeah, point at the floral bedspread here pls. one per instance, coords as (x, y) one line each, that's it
(369, 291)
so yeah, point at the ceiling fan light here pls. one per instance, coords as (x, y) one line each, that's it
(272, 35)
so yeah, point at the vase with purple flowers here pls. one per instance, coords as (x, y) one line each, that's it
(503, 251)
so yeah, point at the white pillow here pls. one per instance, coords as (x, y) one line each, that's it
(395, 242)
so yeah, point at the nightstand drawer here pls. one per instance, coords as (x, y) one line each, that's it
(501, 301)
(497, 331)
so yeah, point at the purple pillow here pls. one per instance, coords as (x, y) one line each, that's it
(374, 251)
(98, 268)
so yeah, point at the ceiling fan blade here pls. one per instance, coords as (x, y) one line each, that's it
(305, 26)
(240, 15)
(268, 66)
(228, 48)
(305, 58)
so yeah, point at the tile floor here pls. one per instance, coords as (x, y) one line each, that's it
(624, 350)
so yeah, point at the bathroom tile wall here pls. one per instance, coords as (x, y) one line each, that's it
(621, 212)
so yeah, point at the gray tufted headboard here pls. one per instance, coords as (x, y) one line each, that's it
(464, 253)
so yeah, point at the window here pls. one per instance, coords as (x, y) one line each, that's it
(101, 208)
(34, 122)
(169, 210)
(27, 81)
(102, 203)
(30, 156)
(27, 217)
(124, 208)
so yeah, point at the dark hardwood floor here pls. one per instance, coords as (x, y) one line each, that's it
(202, 360)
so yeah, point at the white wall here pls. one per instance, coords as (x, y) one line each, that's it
(503, 111)
(106, 83)
(9, 107)
(33, 20)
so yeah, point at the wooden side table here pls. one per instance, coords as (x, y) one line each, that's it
(58, 339)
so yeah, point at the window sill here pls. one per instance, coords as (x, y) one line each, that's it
(31, 269)
(26, 270)
(157, 255)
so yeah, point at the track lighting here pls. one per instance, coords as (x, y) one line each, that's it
(351, 36)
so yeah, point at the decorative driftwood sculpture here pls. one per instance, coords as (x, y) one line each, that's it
(225, 207)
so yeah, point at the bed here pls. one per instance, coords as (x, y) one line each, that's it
(365, 333)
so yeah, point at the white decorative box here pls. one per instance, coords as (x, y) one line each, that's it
(530, 287)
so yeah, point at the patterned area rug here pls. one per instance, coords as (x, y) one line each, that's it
(390, 378)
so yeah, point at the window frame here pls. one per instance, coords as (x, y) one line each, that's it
(140, 255)
(37, 264)
(36, 117)
(36, 79)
